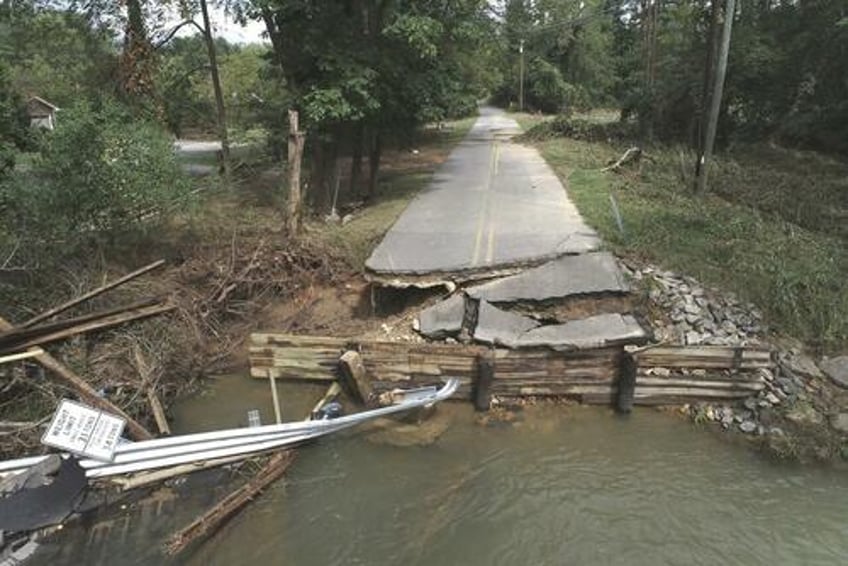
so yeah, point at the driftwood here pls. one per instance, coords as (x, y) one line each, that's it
(91, 294)
(214, 517)
(84, 390)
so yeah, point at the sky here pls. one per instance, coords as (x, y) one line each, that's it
(225, 27)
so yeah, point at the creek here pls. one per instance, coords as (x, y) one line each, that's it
(559, 485)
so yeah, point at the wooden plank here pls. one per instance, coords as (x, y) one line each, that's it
(705, 357)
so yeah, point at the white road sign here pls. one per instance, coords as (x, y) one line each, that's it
(85, 431)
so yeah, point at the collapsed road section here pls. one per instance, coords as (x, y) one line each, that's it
(534, 306)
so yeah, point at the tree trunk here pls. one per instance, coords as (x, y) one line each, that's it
(136, 63)
(374, 165)
(219, 95)
(356, 158)
(295, 157)
(715, 99)
(709, 71)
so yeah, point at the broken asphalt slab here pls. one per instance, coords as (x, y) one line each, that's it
(499, 327)
(442, 319)
(587, 274)
(593, 332)
(492, 205)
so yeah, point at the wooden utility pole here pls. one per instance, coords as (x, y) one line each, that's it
(715, 100)
(521, 77)
(219, 94)
(295, 155)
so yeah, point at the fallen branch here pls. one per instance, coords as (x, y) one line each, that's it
(632, 154)
(21, 356)
(214, 517)
(22, 333)
(90, 326)
(91, 294)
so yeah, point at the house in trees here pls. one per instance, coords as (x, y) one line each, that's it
(42, 114)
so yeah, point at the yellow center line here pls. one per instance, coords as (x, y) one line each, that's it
(484, 209)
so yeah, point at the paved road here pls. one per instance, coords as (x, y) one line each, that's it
(493, 204)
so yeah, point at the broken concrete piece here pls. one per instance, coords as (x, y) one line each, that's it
(566, 276)
(592, 332)
(837, 370)
(496, 326)
(442, 319)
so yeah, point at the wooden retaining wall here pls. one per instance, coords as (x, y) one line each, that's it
(587, 375)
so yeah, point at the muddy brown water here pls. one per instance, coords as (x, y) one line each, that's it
(561, 485)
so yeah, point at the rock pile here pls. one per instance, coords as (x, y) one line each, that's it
(688, 313)
(682, 311)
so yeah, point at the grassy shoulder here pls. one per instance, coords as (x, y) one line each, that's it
(795, 271)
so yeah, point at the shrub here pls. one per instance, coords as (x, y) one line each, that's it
(101, 171)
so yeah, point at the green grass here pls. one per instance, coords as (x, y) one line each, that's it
(795, 274)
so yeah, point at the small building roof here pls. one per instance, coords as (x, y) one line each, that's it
(37, 101)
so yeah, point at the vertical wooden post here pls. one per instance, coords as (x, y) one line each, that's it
(483, 385)
(626, 383)
(295, 156)
(278, 416)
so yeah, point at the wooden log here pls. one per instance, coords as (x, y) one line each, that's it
(353, 375)
(209, 521)
(93, 293)
(483, 383)
(85, 391)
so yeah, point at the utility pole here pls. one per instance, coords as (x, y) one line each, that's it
(521, 77)
(715, 100)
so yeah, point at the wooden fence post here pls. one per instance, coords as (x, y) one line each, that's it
(295, 156)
